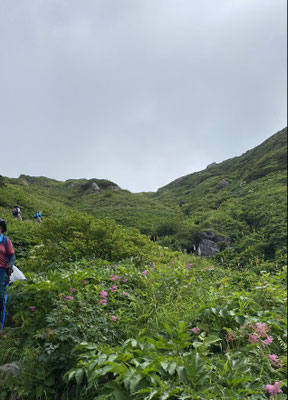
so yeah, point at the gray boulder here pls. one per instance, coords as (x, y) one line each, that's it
(212, 165)
(94, 188)
(207, 248)
(11, 368)
(222, 184)
(210, 235)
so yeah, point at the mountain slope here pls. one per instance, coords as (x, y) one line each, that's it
(270, 156)
(242, 200)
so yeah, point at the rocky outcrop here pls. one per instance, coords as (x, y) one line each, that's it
(94, 188)
(222, 184)
(11, 368)
(210, 235)
(207, 248)
(212, 165)
(210, 244)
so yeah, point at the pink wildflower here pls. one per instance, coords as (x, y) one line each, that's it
(69, 298)
(72, 290)
(253, 339)
(84, 281)
(274, 389)
(103, 302)
(230, 336)
(103, 293)
(260, 329)
(275, 360)
(32, 308)
(268, 341)
(114, 277)
(195, 330)
(189, 266)
(145, 272)
(113, 288)
(124, 280)
(126, 293)
(114, 318)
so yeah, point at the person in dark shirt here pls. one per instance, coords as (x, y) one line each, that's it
(7, 260)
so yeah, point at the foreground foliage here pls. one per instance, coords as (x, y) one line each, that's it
(163, 326)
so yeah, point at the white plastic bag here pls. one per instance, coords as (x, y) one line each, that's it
(17, 275)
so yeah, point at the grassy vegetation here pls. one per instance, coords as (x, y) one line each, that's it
(107, 314)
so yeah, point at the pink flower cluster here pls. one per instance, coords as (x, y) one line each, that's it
(69, 298)
(260, 331)
(195, 330)
(145, 272)
(72, 290)
(114, 277)
(32, 308)
(103, 295)
(273, 390)
(275, 360)
(268, 341)
(113, 288)
(253, 338)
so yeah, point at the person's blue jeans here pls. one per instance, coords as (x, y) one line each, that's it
(3, 276)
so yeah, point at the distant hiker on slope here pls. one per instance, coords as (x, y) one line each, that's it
(7, 260)
(16, 212)
(37, 216)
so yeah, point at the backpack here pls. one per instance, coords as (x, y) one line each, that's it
(5, 238)
(15, 211)
(5, 241)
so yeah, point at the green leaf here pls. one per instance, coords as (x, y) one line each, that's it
(240, 319)
(211, 339)
(79, 375)
(172, 368)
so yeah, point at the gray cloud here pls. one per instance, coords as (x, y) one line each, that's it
(140, 92)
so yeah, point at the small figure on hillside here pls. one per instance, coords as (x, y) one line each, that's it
(7, 260)
(16, 212)
(38, 216)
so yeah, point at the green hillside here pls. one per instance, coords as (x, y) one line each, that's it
(243, 198)
(240, 202)
(105, 313)
(55, 198)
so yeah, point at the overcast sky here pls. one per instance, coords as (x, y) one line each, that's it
(139, 92)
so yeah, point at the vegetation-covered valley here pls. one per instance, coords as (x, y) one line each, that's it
(106, 313)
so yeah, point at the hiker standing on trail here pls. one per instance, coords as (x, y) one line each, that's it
(37, 216)
(16, 212)
(7, 260)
